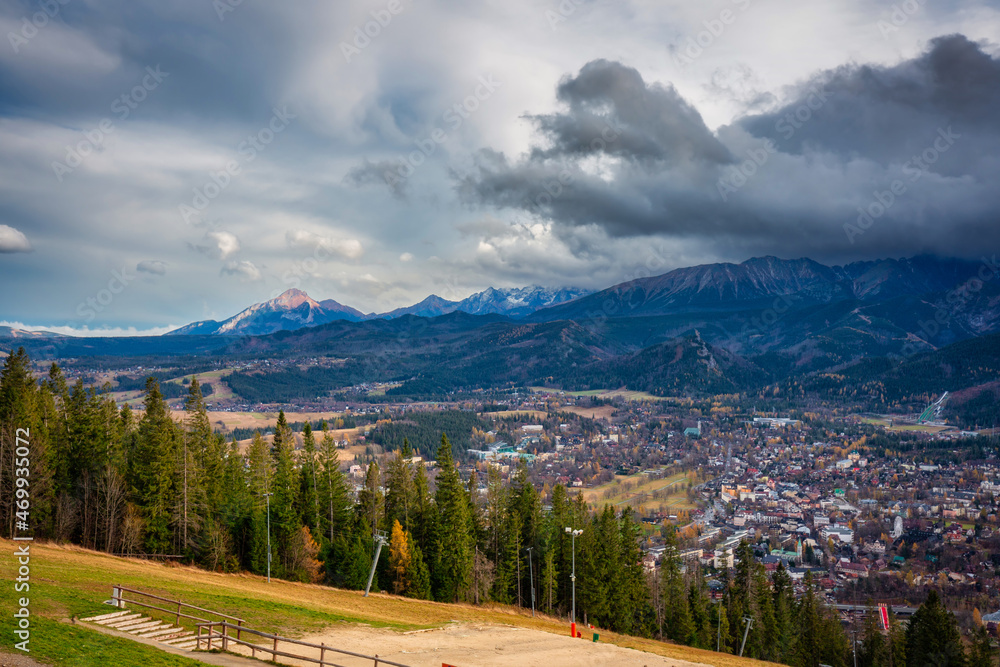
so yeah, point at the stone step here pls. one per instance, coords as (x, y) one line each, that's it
(160, 632)
(115, 622)
(128, 625)
(102, 617)
(179, 639)
(186, 645)
(148, 625)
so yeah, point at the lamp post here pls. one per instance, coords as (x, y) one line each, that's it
(575, 534)
(267, 496)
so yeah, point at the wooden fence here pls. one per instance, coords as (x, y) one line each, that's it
(223, 637)
(118, 595)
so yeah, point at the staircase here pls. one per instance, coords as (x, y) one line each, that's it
(148, 628)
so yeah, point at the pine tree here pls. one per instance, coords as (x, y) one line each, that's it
(309, 481)
(334, 498)
(153, 467)
(417, 576)
(873, 650)
(932, 636)
(454, 544)
(371, 503)
(285, 519)
(399, 489)
(675, 594)
(981, 653)
(549, 580)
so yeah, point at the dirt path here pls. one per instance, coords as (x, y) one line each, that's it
(470, 645)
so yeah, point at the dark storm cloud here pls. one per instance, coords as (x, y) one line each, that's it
(383, 173)
(90, 55)
(887, 113)
(650, 124)
(913, 144)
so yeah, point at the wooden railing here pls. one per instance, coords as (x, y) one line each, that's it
(222, 636)
(118, 595)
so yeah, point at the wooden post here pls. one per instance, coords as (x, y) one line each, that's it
(198, 645)
(274, 654)
(225, 636)
(376, 660)
(322, 654)
(178, 613)
(239, 627)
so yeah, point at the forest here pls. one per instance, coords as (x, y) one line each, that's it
(132, 482)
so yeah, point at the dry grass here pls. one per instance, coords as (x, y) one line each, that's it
(637, 491)
(74, 581)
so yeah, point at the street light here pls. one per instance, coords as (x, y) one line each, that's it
(575, 534)
(268, 497)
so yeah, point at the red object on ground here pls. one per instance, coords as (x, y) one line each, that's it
(572, 629)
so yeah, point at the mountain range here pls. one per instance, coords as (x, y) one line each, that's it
(294, 309)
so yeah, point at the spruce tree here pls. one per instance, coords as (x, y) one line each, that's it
(454, 545)
(932, 636)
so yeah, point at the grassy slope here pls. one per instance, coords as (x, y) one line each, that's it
(68, 581)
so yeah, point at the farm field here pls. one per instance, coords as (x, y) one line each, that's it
(644, 491)
(70, 582)
(227, 421)
(919, 428)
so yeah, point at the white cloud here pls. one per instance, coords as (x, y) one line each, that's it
(406, 257)
(226, 243)
(245, 270)
(12, 240)
(348, 248)
(87, 332)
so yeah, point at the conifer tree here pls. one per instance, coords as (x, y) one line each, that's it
(153, 468)
(454, 545)
(932, 636)
(417, 576)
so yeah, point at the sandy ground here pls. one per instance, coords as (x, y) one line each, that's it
(469, 645)
(18, 660)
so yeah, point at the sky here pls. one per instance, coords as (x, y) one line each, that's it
(162, 163)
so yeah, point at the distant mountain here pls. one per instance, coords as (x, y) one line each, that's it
(759, 281)
(11, 332)
(294, 309)
(432, 306)
(517, 302)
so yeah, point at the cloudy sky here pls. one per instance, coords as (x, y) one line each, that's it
(162, 163)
